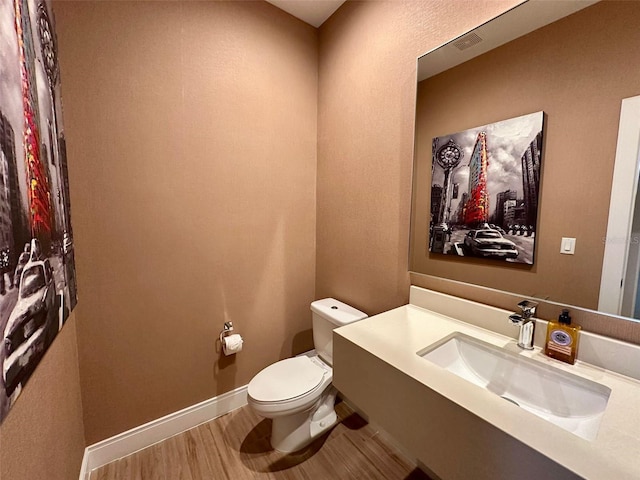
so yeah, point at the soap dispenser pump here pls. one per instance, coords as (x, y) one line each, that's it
(562, 339)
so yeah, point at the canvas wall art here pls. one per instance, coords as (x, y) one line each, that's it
(485, 190)
(37, 272)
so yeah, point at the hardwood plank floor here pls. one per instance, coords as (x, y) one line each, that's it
(236, 447)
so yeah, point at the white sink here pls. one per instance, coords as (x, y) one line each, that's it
(566, 400)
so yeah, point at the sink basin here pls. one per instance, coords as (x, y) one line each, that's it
(566, 400)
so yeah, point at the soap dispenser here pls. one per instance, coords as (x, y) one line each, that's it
(562, 339)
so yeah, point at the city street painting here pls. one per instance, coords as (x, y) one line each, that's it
(485, 189)
(37, 272)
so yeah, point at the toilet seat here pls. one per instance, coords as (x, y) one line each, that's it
(287, 381)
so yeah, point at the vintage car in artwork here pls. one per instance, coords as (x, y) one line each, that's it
(32, 324)
(489, 243)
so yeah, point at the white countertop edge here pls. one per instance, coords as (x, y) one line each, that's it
(395, 337)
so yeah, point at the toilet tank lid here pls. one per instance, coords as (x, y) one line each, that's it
(337, 312)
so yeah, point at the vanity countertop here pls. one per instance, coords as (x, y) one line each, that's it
(395, 337)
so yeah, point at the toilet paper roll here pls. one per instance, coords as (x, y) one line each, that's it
(232, 344)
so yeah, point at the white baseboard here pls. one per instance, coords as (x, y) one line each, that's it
(137, 438)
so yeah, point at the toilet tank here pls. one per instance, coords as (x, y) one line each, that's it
(328, 314)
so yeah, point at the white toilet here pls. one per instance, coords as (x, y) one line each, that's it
(297, 392)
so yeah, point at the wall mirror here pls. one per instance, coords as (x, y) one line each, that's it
(576, 61)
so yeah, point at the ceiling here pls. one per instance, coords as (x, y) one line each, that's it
(313, 12)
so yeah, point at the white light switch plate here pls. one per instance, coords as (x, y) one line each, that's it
(568, 246)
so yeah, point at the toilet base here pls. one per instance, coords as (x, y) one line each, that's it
(291, 433)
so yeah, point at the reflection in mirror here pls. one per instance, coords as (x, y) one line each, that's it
(577, 68)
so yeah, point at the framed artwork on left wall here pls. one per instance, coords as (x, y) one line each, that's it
(37, 267)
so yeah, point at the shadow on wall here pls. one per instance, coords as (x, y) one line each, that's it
(274, 309)
(302, 342)
(224, 368)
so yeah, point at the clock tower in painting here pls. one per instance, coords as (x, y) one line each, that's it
(448, 157)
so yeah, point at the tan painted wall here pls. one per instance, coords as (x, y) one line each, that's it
(43, 435)
(577, 71)
(191, 129)
(367, 65)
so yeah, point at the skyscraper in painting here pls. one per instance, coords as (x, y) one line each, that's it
(39, 195)
(531, 179)
(477, 207)
(501, 199)
(436, 201)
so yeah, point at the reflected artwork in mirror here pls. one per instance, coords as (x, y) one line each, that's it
(576, 61)
(484, 190)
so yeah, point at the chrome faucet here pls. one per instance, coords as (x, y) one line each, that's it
(526, 322)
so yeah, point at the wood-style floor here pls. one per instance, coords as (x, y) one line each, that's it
(236, 446)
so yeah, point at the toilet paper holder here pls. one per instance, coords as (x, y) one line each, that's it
(230, 342)
(227, 329)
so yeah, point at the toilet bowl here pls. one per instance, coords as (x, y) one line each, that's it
(296, 393)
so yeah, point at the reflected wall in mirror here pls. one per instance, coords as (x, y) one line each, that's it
(578, 70)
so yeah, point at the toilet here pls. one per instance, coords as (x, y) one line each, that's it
(296, 393)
